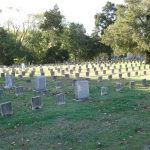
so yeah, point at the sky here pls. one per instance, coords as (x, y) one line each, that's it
(78, 11)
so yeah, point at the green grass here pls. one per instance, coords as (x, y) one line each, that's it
(116, 121)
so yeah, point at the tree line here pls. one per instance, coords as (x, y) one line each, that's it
(48, 37)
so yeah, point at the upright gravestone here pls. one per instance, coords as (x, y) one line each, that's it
(58, 85)
(103, 90)
(81, 91)
(19, 77)
(1, 93)
(6, 109)
(143, 82)
(73, 82)
(40, 84)
(100, 79)
(60, 98)
(19, 90)
(132, 83)
(118, 87)
(9, 81)
(36, 102)
(28, 81)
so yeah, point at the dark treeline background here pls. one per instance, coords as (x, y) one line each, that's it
(49, 38)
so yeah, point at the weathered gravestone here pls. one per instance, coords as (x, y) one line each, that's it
(118, 87)
(103, 90)
(60, 98)
(6, 109)
(81, 91)
(40, 84)
(143, 82)
(1, 93)
(100, 79)
(109, 77)
(73, 82)
(77, 75)
(132, 83)
(9, 81)
(58, 85)
(54, 78)
(28, 81)
(66, 76)
(19, 77)
(36, 102)
(2, 75)
(19, 90)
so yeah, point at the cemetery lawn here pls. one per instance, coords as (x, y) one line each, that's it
(116, 121)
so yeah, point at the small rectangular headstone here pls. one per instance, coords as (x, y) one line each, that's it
(1, 93)
(81, 90)
(6, 109)
(19, 90)
(28, 81)
(73, 82)
(100, 79)
(9, 81)
(36, 102)
(40, 84)
(66, 76)
(132, 83)
(58, 85)
(19, 77)
(77, 75)
(118, 87)
(60, 98)
(103, 90)
(109, 77)
(143, 82)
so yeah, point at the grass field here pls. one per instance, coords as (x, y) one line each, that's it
(116, 121)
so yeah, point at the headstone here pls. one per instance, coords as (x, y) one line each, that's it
(60, 98)
(23, 73)
(19, 77)
(58, 85)
(136, 73)
(77, 75)
(2, 75)
(9, 81)
(31, 75)
(109, 77)
(19, 90)
(112, 71)
(132, 83)
(103, 90)
(54, 78)
(36, 102)
(120, 75)
(23, 66)
(87, 74)
(66, 76)
(42, 74)
(100, 79)
(96, 73)
(118, 87)
(143, 82)
(73, 82)
(28, 81)
(104, 72)
(6, 109)
(1, 93)
(144, 72)
(81, 90)
(128, 74)
(40, 84)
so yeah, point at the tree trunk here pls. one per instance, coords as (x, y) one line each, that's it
(147, 57)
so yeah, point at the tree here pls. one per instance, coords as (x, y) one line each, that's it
(131, 31)
(7, 47)
(73, 39)
(52, 23)
(103, 20)
(56, 54)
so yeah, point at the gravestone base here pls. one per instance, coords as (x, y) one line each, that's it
(40, 90)
(81, 100)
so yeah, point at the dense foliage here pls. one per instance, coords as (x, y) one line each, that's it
(49, 38)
